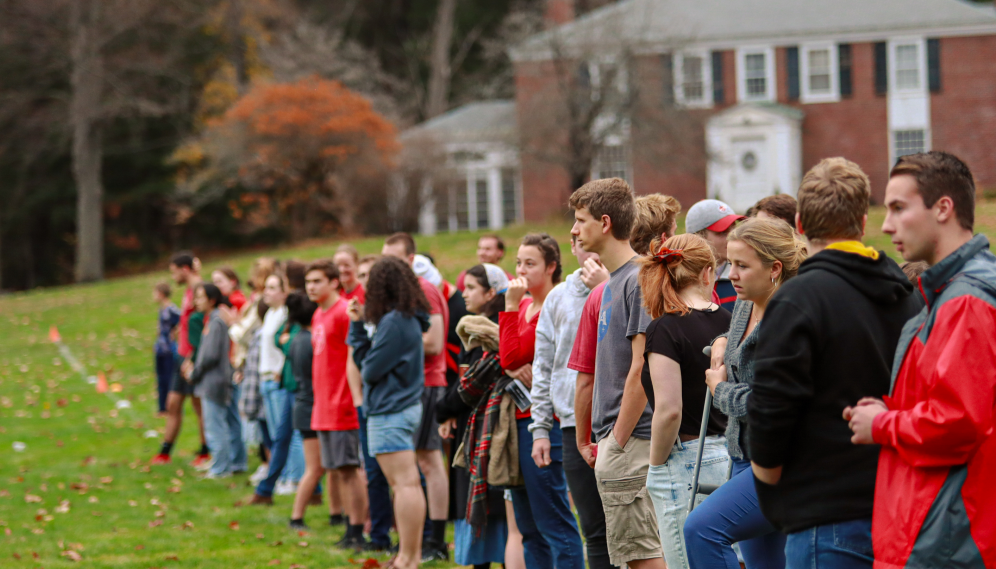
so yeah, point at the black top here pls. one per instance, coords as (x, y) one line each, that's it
(301, 354)
(458, 309)
(827, 340)
(682, 339)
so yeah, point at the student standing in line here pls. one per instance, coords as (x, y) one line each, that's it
(184, 267)
(712, 221)
(763, 255)
(227, 281)
(828, 339)
(490, 249)
(167, 358)
(211, 376)
(428, 444)
(617, 404)
(550, 535)
(481, 297)
(335, 418)
(655, 216)
(934, 495)
(677, 285)
(392, 365)
(300, 311)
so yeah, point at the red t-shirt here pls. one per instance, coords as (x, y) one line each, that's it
(517, 341)
(435, 366)
(237, 299)
(358, 293)
(183, 346)
(586, 341)
(333, 410)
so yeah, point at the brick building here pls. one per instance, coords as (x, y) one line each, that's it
(736, 99)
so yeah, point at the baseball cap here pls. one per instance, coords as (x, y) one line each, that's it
(713, 215)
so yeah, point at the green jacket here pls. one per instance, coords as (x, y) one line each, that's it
(287, 380)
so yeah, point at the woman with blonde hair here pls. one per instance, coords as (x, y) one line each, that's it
(764, 253)
(676, 283)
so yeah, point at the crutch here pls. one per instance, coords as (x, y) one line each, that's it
(696, 487)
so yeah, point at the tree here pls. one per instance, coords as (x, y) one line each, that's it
(305, 151)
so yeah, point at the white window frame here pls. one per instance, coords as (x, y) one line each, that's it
(595, 75)
(892, 141)
(806, 94)
(771, 78)
(921, 46)
(679, 79)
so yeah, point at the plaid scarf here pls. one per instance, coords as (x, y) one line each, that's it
(477, 442)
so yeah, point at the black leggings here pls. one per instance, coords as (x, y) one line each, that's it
(582, 483)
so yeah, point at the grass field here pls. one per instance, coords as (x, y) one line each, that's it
(81, 487)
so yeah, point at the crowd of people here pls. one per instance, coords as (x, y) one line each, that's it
(834, 408)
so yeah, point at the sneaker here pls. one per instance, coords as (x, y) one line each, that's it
(216, 476)
(354, 543)
(261, 473)
(435, 552)
(161, 459)
(381, 547)
(204, 466)
(257, 500)
(337, 520)
(201, 459)
(298, 525)
(285, 489)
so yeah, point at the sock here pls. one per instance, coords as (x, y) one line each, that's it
(297, 520)
(354, 531)
(204, 449)
(166, 448)
(438, 531)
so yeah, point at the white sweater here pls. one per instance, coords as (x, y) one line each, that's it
(271, 359)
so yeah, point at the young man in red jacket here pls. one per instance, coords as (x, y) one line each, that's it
(935, 503)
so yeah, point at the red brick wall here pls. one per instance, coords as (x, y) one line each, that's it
(856, 128)
(963, 114)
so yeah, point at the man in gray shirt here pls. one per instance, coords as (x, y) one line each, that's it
(604, 212)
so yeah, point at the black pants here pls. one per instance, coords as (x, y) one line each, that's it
(584, 489)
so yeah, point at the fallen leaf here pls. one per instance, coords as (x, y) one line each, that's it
(296, 566)
(32, 498)
(63, 507)
(302, 544)
(132, 503)
(302, 533)
(139, 547)
(173, 489)
(89, 460)
(93, 499)
(37, 531)
(107, 480)
(72, 555)
(35, 554)
(188, 525)
(233, 525)
(274, 562)
(276, 543)
(259, 536)
(155, 523)
(171, 558)
(17, 555)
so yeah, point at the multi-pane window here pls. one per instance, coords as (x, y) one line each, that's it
(481, 193)
(909, 142)
(611, 162)
(907, 66)
(756, 74)
(692, 80)
(509, 211)
(819, 72)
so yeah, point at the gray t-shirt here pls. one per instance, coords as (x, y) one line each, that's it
(621, 317)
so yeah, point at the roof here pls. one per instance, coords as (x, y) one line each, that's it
(482, 121)
(665, 24)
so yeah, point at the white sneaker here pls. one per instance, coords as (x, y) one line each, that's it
(260, 474)
(285, 488)
(205, 466)
(213, 476)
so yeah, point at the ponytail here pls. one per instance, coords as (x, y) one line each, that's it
(675, 266)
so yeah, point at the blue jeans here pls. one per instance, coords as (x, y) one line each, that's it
(223, 431)
(732, 515)
(378, 491)
(844, 545)
(550, 535)
(670, 487)
(278, 405)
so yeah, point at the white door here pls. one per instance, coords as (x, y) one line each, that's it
(751, 172)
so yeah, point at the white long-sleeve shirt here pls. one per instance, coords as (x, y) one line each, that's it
(271, 359)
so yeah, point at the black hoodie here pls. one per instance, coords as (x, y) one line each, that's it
(827, 340)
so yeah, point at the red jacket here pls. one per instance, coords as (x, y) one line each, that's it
(517, 340)
(935, 494)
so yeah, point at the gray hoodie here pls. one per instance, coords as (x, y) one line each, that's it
(553, 384)
(212, 373)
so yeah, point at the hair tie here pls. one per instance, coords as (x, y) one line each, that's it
(666, 255)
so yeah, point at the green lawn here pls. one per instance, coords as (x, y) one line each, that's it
(82, 486)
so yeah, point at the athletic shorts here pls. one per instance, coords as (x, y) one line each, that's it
(339, 448)
(393, 432)
(427, 436)
(308, 434)
(180, 385)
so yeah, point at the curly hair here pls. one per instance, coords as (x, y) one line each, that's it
(393, 286)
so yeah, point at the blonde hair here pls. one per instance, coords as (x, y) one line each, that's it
(655, 214)
(833, 200)
(663, 276)
(772, 240)
(260, 269)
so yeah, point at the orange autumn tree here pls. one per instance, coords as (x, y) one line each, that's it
(302, 152)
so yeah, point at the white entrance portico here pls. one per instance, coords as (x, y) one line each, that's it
(755, 151)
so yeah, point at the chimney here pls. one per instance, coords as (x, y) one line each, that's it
(558, 12)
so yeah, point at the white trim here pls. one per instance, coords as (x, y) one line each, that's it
(771, 78)
(678, 77)
(908, 108)
(805, 93)
(921, 47)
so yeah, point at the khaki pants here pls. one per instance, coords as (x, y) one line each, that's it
(630, 521)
